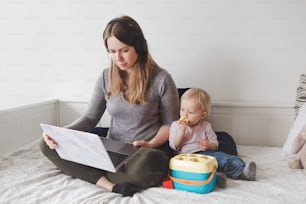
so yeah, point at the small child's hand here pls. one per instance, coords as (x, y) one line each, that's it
(183, 122)
(204, 145)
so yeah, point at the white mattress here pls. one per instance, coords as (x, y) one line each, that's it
(26, 176)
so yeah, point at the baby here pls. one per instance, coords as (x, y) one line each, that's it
(192, 134)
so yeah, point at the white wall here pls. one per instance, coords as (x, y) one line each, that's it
(241, 51)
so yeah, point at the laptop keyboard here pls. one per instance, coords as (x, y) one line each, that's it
(116, 158)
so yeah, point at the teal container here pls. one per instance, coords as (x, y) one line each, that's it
(193, 172)
(190, 186)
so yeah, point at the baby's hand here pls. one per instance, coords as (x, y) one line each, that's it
(183, 123)
(183, 120)
(204, 145)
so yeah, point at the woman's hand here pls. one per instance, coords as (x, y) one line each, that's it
(141, 143)
(159, 139)
(49, 141)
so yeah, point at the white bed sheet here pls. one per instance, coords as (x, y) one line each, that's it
(26, 176)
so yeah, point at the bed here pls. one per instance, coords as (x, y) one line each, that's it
(26, 176)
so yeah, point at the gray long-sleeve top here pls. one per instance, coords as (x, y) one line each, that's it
(132, 122)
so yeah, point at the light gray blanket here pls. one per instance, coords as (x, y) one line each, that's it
(26, 176)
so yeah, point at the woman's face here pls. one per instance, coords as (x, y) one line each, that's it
(123, 55)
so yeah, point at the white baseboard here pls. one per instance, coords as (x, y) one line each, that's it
(20, 126)
(264, 126)
(249, 124)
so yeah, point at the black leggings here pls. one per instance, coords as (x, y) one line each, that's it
(81, 171)
(73, 169)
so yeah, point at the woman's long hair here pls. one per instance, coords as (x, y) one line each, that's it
(127, 30)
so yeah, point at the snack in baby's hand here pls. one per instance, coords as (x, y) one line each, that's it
(184, 119)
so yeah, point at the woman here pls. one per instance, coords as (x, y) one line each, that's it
(140, 96)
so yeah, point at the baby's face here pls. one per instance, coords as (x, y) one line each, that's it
(191, 110)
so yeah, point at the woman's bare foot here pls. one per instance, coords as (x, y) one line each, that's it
(103, 182)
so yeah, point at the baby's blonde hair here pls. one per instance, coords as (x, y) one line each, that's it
(201, 96)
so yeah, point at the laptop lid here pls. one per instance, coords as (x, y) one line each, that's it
(88, 149)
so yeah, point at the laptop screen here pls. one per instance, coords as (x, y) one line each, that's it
(80, 147)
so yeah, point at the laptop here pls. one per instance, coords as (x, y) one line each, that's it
(89, 149)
